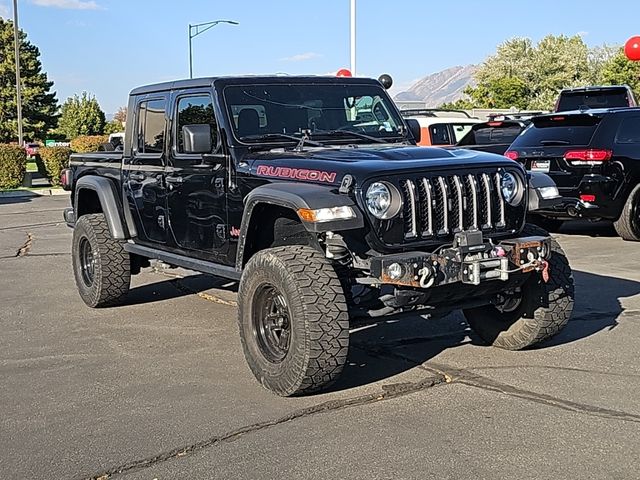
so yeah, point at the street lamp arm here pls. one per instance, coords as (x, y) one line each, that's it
(208, 25)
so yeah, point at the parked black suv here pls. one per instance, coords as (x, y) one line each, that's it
(494, 136)
(311, 192)
(585, 98)
(593, 156)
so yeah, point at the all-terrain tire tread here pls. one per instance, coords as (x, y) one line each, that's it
(547, 319)
(113, 270)
(325, 313)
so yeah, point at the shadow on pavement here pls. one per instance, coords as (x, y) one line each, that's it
(597, 306)
(585, 227)
(171, 288)
(13, 200)
(379, 348)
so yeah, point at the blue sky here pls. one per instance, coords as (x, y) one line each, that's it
(107, 47)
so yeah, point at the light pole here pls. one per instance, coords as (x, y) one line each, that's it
(353, 37)
(201, 28)
(16, 39)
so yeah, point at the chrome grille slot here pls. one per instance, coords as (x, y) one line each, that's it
(457, 203)
(436, 207)
(411, 201)
(498, 194)
(485, 204)
(471, 187)
(426, 207)
(442, 206)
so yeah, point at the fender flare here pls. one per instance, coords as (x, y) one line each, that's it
(106, 191)
(295, 196)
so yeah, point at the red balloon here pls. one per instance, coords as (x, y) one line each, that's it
(344, 72)
(632, 49)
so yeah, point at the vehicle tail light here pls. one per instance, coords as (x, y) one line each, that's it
(588, 198)
(512, 155)
(65, 179)
(587, 157)
(494, 124)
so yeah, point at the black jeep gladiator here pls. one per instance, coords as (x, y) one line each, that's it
(311, 193)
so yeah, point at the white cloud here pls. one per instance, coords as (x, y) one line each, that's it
(582, 33)
(69, 4)
(301, 57)
(4, 11)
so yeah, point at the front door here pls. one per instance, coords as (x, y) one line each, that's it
(196, 190)
(144, 171)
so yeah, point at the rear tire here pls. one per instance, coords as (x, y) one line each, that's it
(293, 320)
(628, 225)
(101, 266)
(543, 309)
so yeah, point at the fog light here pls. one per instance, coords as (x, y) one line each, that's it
(394, 271)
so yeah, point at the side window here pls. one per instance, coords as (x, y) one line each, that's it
(151, 126)
(440, 134)
(195, 110)
(629, 131)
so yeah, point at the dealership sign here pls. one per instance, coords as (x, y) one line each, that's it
(56, 143)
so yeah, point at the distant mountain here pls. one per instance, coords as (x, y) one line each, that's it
(438, 88)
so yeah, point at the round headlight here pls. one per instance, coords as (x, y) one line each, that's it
(383, 200)
(511, 189)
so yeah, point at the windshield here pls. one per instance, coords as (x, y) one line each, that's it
(596, 99)
(325, 112)
(491, 135)
(558, 130)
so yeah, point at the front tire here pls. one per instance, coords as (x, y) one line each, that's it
(101, 266)
(293, 320)
(541, 311)
(628, 225)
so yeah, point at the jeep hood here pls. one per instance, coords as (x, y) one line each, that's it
(329, 165)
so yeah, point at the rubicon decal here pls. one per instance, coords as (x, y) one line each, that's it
(296, 173)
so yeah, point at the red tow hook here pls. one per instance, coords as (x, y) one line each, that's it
(545, 271)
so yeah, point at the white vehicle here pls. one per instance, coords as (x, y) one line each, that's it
(441, 128)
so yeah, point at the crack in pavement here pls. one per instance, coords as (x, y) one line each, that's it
(46, 224)
(387, 392)
(26, 246)
(469, 378)
(177, 282)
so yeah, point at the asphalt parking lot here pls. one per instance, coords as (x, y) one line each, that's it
(158, 387)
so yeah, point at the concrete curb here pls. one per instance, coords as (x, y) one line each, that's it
(45, 192)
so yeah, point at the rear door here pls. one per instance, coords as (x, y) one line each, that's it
(143, 171)
(197, 201)
(543, 145)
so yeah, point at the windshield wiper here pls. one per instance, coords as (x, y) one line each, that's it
(554, 142)
(340, 131)
(301, 141)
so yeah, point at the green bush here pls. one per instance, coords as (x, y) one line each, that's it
(88, 143)
(55, 159)
(13, 164)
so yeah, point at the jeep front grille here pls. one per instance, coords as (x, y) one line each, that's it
(436, 207)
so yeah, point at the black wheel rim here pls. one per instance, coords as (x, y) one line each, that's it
(271, 323)
(87, 262)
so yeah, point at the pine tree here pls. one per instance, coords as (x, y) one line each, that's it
(39, 104)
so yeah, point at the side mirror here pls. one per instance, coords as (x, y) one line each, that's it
(197, 138)
(414, 128)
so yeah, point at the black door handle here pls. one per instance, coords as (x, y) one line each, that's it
(175, 180)
(137, 177)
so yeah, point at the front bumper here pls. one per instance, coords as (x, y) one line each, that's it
(469, 261)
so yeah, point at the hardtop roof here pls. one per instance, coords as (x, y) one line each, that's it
(249, 79)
